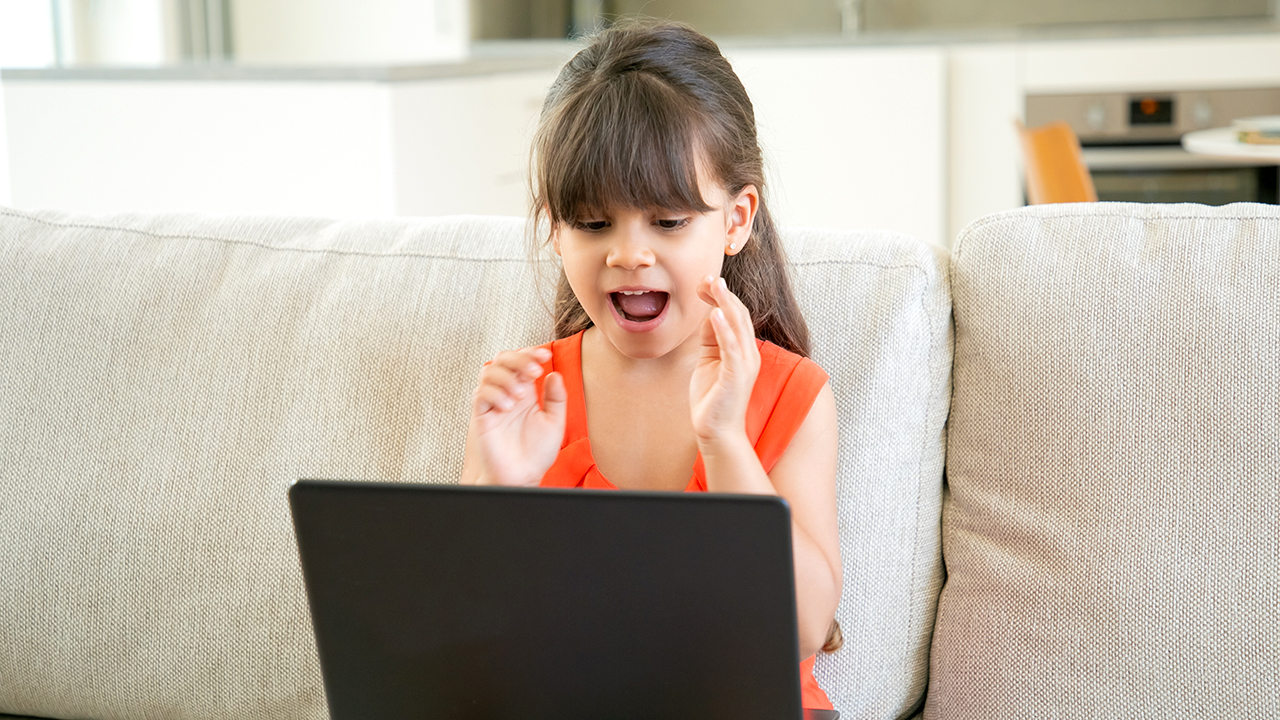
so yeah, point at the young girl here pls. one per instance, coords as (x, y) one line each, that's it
(649, 172)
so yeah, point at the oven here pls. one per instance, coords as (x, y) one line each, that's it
(1131, 143)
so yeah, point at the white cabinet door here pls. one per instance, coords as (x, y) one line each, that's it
(326, 148)
(278, 148)
(984, 159)
(854, 137)
(462, 145)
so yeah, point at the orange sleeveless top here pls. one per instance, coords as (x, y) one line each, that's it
(785, 389)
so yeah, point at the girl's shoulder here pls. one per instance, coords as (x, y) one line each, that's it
(566, 354)
(785, 390)
(782, 367)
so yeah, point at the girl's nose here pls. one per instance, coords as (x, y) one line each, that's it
(629, 251)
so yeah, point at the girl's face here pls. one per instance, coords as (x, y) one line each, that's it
(636, 272)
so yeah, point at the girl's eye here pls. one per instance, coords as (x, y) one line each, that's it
(668, 224)
(592, 225)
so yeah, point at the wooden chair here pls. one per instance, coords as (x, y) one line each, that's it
(1054, 167)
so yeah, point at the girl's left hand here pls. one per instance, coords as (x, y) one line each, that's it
(727, 366)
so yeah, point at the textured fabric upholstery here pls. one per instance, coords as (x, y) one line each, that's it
(880, 315)
(1112, 518)
(165, 378)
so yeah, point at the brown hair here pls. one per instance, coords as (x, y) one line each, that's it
(625, 123)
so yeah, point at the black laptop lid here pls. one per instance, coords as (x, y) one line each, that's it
(433, 601)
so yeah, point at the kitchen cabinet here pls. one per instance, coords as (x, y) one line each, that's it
(988, 84)
(914, 137)
(275, 142)
(853, 138)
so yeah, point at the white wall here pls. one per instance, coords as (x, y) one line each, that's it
(125, 32)
(1151, 64)
(22, 44)
(338, 32)
(339, 149)
(855, 138)
(135, 33)
(26, 33)
(224, 147)
(6, 191)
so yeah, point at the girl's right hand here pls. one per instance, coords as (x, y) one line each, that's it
(512, 440)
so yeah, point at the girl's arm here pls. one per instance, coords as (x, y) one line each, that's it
(805, 475)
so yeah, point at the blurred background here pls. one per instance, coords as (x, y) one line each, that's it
(895, 114)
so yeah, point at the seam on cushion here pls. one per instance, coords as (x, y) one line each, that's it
(915, 550)
(933, 397)
(265, 246)
(864, 263)
(958, 248)
(997, 217)
(1002, 216)
(359, 253)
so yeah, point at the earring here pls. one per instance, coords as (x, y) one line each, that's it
(733, 246)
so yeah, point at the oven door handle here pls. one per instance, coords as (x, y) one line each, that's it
(1154, 157)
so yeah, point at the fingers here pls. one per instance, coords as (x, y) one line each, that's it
(555, 398)
(509, 379)
(730, 347)
(726, 335)
(488, 399)
(706, 290)
(715, 292)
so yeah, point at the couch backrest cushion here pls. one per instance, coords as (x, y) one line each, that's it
(1111, 527)
(879, 311)
(167, 377)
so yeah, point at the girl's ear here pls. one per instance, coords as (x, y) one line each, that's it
(740, 215)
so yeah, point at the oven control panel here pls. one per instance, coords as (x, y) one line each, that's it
(1149, 117)
(1150, 110)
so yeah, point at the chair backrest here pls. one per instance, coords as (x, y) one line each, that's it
(1053, 165)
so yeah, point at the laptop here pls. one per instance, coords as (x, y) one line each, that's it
(451, 602)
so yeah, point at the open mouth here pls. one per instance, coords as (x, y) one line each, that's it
(639, 305)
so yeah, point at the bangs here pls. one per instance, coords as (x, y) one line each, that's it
(628, 141)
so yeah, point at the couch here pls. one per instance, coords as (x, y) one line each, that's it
(1059, 479)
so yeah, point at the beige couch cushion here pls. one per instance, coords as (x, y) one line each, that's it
(1112, 523)
(167, 377)
(879, 310)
